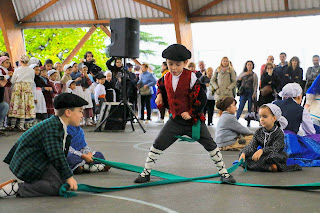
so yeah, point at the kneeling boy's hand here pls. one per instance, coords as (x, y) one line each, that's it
(72, 183)
(186, 116)
(87, 158)
(242, 156)
(256, 156)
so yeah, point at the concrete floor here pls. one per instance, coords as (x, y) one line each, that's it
(185, 159)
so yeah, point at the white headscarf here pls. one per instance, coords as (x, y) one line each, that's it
(291, 90)
(278, 113)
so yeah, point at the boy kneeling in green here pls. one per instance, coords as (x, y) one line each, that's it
(39, 156)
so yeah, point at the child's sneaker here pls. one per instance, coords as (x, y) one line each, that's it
(93, 167)
(227, 178)
(9, 188)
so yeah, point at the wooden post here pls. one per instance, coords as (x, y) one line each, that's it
(180, 13)
(79, 45)
(13, 37)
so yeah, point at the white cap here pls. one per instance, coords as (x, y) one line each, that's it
(291, 90)
(50, 72)
(107, 72)
(32, 66)
(69, 83)
(72, 63)
(34, 60)
(67, 66)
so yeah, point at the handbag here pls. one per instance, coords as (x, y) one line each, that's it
(144, 91)
(266, 90)
(240, 89)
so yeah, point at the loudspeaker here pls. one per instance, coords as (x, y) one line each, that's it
(115, 120)
(125, 38)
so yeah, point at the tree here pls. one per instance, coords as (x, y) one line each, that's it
(57, 44)
(2, 45)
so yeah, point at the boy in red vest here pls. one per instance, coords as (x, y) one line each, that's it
(184, 96)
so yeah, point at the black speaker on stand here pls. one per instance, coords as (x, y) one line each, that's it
(125, 38)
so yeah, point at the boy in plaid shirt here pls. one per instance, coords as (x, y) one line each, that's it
(39, 156)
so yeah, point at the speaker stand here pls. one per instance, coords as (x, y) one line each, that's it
(124, 102)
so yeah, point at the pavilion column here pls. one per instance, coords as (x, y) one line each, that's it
(13, 36)
(180, 13)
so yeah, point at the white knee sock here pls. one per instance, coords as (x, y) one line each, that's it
(216, 156)
(9, 189)
(153, 155)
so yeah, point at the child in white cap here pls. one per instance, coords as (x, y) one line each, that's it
(265, 152)
(292, 110)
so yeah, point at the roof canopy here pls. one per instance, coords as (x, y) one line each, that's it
(72, 13)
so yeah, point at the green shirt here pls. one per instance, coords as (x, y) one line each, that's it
(36, 149)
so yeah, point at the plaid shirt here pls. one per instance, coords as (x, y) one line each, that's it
(37, 148)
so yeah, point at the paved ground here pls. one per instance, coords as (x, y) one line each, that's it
(185, 159)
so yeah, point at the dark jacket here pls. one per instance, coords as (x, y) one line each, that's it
(36, 149)
(294, 76)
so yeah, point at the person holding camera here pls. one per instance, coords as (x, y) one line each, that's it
(248, 85)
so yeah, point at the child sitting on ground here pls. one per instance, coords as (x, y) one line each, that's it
(290, 105)
(229, 132)
(80, 154)
(265, 152)
(39, 156)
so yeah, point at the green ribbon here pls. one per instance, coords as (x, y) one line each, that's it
(169, 179)
(195, 133)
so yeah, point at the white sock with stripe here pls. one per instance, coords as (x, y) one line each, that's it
(216, 156)
(153, 155)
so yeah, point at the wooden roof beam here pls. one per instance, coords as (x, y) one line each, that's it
(286, 5)
(154, 6)
(290, 13)
(94, 7)
(79, 45)
(106, 30)
(36, 12)
(87, 22)
(206, 7)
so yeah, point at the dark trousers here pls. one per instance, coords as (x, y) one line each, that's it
(247, 96)
(145, 101)
(48, 185)
(162, 112)
(210, 109)
(178, 126)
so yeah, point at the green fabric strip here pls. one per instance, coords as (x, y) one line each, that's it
(170, 178)
(195, 133)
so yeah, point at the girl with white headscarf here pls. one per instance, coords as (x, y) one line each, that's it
(265, 152)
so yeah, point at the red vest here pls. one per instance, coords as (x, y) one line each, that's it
(179, 101)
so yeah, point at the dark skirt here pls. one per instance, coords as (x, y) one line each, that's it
(265, 161)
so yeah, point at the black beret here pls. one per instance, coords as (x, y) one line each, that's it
(176, 52)
(68, 100)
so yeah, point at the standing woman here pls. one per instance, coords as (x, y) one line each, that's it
(145, 84)
(294, 73)
(205, 79)
(269, 83)
(22, 100)
(224, 80)
(248, 88)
